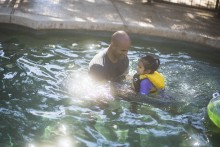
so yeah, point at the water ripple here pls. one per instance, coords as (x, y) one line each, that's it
(47, 97)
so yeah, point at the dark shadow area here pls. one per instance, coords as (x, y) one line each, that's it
(202, 4)
(12, 3)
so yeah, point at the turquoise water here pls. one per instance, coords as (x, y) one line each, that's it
(47, 98)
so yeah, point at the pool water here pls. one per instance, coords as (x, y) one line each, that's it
(48, 99)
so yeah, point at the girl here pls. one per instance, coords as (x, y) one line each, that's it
(147, 79)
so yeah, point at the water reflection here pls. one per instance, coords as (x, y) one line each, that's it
(81, 86)
(55, 136)
(48, 99)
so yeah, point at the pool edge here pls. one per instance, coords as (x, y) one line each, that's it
(39, 23)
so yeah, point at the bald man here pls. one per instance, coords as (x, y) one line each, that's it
(112, 63)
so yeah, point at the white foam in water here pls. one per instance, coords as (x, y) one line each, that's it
(80, 85)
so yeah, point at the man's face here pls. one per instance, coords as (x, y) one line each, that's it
(121, 50)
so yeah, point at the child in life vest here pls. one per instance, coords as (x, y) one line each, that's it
(147, 79)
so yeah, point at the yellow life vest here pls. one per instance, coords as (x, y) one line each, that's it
(156, 78)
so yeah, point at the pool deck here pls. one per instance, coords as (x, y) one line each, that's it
(157, 19)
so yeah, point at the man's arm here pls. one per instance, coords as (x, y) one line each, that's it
(97, 72)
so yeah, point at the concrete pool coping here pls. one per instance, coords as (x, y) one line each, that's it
(158, 19)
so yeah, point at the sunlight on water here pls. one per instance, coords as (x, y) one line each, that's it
(48, 98)
(65, 142)
(56, 136)
(50, 115)
(82, 87)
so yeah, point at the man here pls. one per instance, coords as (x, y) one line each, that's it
(112, 63)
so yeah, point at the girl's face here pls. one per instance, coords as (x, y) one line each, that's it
(140, 68)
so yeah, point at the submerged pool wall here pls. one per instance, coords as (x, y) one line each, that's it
(43, 33)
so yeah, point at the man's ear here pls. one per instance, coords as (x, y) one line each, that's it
(112, 45)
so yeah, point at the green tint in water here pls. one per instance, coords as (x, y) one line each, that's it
(47, 98)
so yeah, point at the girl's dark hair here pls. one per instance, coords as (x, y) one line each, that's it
(150, 63)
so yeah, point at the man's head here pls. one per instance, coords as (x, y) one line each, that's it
(120, 43)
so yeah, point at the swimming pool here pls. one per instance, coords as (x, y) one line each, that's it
(47, 97)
